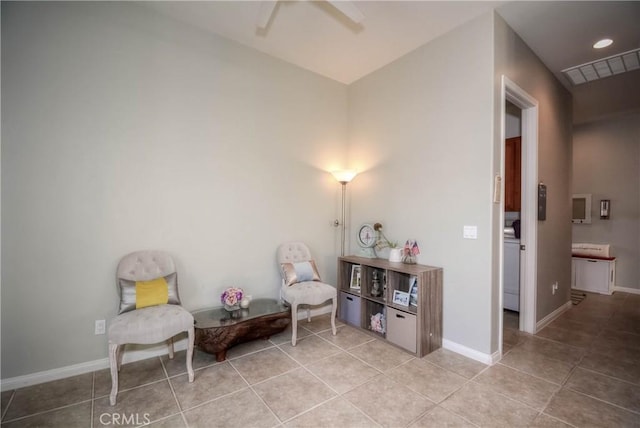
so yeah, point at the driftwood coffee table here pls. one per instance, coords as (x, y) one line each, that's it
(217, 329)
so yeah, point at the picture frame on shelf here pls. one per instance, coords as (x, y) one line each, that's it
(413, 290)
(400, 298)
(355, 283)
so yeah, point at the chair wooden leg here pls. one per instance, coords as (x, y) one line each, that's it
(119, 354)
(308, 313)
(191, 337)
(294, 324)
(113, 363)
(170, 343)
(334, 308)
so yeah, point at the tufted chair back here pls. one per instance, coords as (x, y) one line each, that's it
(293, 252)
(145, 265)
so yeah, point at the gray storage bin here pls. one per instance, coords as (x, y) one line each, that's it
(401, 329)
(350, 308)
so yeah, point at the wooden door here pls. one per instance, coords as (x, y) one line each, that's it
(512, 168)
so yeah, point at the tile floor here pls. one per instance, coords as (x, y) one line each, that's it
(582, 370)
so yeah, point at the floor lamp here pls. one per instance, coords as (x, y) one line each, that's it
(343, 176)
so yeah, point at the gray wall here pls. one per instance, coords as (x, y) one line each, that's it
(421, 132)
(606, 164)
(600, 99)
(515, 60)
(122, 130)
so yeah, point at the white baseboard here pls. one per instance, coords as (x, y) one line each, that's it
(130, 355)
(627, 290)
(490, 359)
(552, 316)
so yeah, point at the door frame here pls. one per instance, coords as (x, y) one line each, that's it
(529, 210)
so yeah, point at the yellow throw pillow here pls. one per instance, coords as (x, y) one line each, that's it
(129, 293)
(152, 293)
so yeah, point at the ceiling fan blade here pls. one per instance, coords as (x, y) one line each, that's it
(266, 11)
(348, 9)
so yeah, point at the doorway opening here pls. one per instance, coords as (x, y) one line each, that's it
(512, 222)
(528, 244)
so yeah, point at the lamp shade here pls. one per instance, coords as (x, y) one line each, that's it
(344, 176)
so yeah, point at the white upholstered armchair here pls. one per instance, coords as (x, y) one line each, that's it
(301, 284)
(150, 310)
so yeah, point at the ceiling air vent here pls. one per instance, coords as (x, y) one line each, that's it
(605, 67)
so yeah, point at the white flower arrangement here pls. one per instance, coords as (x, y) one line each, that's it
(232, 296)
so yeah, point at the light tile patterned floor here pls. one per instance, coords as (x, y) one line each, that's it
(583, 370)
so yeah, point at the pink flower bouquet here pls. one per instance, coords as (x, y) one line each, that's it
(232, 296)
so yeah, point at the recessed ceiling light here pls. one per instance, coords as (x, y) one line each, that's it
(602, 43)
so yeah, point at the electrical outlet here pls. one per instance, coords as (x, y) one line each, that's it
(100, 326)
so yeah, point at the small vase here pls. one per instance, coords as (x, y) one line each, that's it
(232, 308)
(409, 260)
(395, 255)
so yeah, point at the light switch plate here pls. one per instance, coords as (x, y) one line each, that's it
(100, 326)
(470, 232)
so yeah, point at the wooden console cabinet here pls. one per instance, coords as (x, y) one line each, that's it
(416, 328)
(512, 174)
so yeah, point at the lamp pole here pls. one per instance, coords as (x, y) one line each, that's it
(342, 221)
(343, 178)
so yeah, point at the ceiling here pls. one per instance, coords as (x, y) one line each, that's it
(562, 33)
(316, 36)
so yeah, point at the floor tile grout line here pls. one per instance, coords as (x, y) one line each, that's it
(459, 415)
(204, 403)
(248, 353)
(46, 411)
(168, 379)
(322, 381)
(602, 400)
(559, 342)
(558, 419)
(131, 388)
(93, 396)
(529, 406)
(610, 376)
(13, 394)
(315, 406)
(536, 352)
(304, 366)
(562, 385)
(529, 374)
(446, 397)
(250, 387)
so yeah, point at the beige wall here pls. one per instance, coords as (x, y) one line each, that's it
(121, 131)
(421, 133)
(606, 164)
(515, 60)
